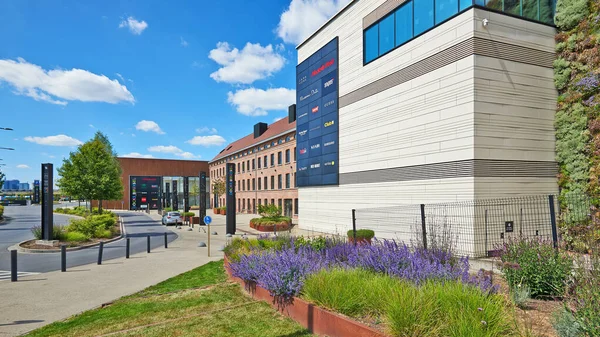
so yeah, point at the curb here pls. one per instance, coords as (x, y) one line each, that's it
(50, 251)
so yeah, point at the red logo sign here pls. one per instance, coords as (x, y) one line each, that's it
(323, 67)
(315, 109)
(303, 151)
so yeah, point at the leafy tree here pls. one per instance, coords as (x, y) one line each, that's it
(92, 172)
(2, 178)
(218, 187)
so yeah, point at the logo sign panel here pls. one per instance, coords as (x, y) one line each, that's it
(144, 192)
(317, 99)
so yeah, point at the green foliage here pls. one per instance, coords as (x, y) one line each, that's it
(92, 172)
(94, 225)
(269, 210)
(520, 295)
(584, 295)
(2, 179)
(562, 73)
(362, 234)
(431, 309)
(317, 243)
(537, 265)
(238, 246)
(271, 220)
(58, 232)
(168, 209)
(1, 210)
(76, 237)
(218, 187)
(565, 324)
(571, 139)
(570, 12)
(188, 214)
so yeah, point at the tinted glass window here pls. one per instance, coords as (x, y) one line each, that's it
(423, 15)
(530, 9)
(386, 34)
(465, 4)
(371, 43)
(444, 9)
(404, 24)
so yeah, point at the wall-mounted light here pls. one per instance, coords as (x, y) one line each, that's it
(485, 22)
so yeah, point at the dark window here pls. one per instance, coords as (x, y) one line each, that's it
(279, 181)
(239, 168)
(266, 202)
(386, 34)
(243, 167)
(266, 186)
(464, 4)
(272, 201)
(296, 206)
(272, 159)
(265, 162)
(279, 158)
(259, 202)
(423, 15)
(248, 165)
(254, 164)
(371, 43)
(243, 185)
(243, 204)
(287, 180)
(294, 154)
(239, 205)
(287, 156)
(248, 184)
(444, 9)
(279, 203)
(404, 27)
(259, 184)
(272, 182)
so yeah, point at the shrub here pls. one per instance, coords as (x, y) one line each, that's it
(103, 234)
(361, 234)
(93, 224)
(188, 214)
(58, 232)
(520, 295)
(1, 211)
(76, 237)
(269, 211)
(565, 324)
(168, 209)
(570, 12)
(585, 294)
(535, 263)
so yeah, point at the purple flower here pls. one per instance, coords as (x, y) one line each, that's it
(588, 83)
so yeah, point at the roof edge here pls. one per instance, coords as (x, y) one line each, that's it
(253, 145)
(350, 4)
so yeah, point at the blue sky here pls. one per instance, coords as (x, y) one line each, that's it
(167, 79)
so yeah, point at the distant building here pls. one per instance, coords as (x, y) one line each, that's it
(11, 185)
(24, 187)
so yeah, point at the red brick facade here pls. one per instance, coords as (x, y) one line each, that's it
(257, 183)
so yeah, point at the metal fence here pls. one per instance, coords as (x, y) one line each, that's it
(476, 228)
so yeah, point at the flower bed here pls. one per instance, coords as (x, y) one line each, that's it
(270, 226)
(283, 265)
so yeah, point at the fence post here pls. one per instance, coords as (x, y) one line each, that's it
(13, 265)
(63, 258)
(128, 243)
(354, 224)
(148, 243)
(423, 226)
(100, 252)
(166, 240)
(487, 251)
(553, 221)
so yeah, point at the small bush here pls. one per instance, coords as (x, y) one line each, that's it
(269, 211)
(168, 209)
(93, 224)
(58, 232)
(584, 295)
(565, 324)
(520, 296)
(1, 211)
(103, 234)
(570, 12)
(537, 265)
(362, 234)
(76, 237)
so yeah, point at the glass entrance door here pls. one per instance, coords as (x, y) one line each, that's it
(287, 207)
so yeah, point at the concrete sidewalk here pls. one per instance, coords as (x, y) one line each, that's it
(41, 299)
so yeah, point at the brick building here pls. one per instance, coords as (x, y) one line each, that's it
(265, 164)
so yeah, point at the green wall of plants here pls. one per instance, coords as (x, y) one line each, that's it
(577, 121)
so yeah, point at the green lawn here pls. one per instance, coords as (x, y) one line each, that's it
(197, 303)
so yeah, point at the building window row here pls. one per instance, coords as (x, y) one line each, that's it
(415, 17)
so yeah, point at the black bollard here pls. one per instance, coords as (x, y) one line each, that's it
(166, 246)
(148, 244)
(100, 252)
(63, 258)
(128, 243)
(13, 265)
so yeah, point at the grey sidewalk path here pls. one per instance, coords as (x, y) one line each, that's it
(41, 299)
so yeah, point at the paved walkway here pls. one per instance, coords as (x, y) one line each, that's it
(37, 300)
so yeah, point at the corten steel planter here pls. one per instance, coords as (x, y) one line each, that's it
(282, 226)
(223, 211)
(216, 211)
(360, 241)
(195, 220)
(317, 320)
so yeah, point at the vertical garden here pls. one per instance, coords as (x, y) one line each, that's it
(577, 121)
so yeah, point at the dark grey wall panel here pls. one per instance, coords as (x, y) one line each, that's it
(472, 46)
(455, 169)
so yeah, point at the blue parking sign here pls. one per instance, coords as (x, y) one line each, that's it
(207, 220)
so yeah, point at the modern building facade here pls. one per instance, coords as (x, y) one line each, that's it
(14, 185)
(265, 164)
(158, 183)
(437, 101)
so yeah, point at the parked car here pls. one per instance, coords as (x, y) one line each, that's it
(172, 218)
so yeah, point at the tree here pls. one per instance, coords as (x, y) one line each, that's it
(218, 188)
(92, 172)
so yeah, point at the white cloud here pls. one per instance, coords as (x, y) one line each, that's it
(257, 102)
(214, 140)
(245, 66)
(137, 155)
(187, 155)
(135, 27)
(92, 126)
(23, 166)
(206, 129)
(59, 86)
(304, 17)
(165, 149)
(58, 140)
(277, 119)
(120, 76)
(184, 43)
(149, 126)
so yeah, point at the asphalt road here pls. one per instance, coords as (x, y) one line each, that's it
(20, 220)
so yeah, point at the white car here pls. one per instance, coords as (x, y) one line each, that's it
(172, 218)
